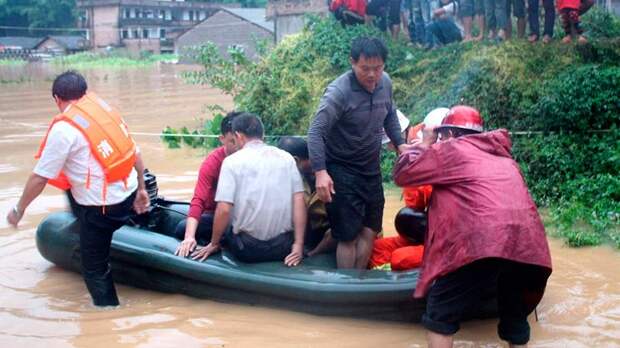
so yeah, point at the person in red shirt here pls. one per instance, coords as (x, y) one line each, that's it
(197, 228)
(484, 231)
(349, 12)
(570, 12)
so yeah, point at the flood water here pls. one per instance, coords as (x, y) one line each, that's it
(44, 306)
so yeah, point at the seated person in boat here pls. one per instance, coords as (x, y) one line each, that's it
(197, 228)
(404, 252)
(484, 231)
(318, 238)
(260, 193)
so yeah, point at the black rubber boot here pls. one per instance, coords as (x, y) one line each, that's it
(102, 289)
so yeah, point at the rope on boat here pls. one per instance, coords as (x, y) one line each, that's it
(181, 135)
(159, 206)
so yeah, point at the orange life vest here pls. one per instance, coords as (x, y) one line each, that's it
(108, 137)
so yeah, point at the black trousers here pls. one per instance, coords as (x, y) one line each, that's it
(203, 231)
(249, 249)
(96, 229)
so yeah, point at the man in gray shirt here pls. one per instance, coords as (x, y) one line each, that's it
(344, 142)
(261, 193)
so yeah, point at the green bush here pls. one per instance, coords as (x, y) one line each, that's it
(566, 96)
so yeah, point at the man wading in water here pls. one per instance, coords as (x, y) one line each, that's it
(89, 152)
(344, 142)
(484, 231)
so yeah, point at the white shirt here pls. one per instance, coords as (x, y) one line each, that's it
(260, 180)
(68, 150)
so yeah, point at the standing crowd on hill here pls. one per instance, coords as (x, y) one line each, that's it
(433, 23)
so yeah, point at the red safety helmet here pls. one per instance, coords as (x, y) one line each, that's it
(464, 117)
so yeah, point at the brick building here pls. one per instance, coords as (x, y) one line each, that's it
(289, 15)
(229, 27)
(140, 25)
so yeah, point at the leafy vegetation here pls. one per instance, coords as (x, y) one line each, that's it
(562, 102)
(26, 14)
(12, 62)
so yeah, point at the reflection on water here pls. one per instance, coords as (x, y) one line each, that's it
(42, 305)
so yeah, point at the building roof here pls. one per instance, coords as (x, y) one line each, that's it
(20, 42)
(69, 42)
(252, 15)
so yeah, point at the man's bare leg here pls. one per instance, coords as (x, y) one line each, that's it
(521, 27)
(364, 246)
(327, 244)
(480, 20)
(345, 254)
(467, 22)
(436, 340)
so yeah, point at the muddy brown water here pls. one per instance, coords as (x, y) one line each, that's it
(44, 306)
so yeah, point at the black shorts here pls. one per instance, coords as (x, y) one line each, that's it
(519, 288)
(385, 9)
(358, 203)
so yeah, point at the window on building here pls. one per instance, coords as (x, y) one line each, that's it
(191, 15)
(186, 15)
(203, 15)
(162, 33)
(161, 14)
(125, 34)
(149, 14)
(145, 33)
(136, 33)
(132, 13)
(168, 15)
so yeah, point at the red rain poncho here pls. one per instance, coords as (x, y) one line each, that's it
(480, 206)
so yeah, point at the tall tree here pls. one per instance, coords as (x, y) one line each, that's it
(32, 15)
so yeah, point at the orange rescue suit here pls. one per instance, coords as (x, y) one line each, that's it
(108, 137)
(397, 251)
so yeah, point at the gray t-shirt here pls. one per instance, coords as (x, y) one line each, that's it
(260, 180)
(349, 123)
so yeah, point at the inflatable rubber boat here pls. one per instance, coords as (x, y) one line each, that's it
(143, 256)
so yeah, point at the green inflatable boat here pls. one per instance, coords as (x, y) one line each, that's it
(143, 256)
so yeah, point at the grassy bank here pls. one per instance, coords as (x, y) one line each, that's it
(114, 60)
(12, 62)
(567, 95)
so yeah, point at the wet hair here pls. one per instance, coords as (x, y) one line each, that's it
(369, 47)
(226, 124)
(296, 146)
(249, 125)
(69, 85)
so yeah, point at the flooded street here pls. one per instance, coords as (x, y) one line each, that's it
(44, 306)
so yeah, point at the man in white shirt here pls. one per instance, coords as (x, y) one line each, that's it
(101, 207)
(261, 193)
